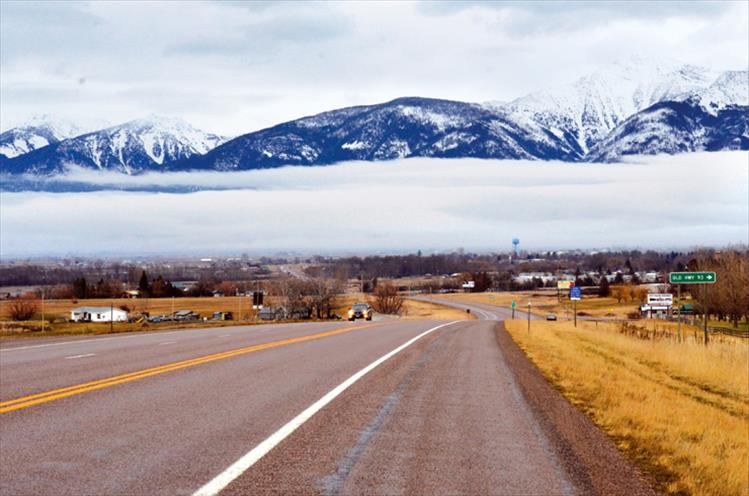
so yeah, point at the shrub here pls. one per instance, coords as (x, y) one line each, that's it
(388, 300)
(23, 308)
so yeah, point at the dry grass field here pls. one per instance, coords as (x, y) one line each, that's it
(678, 410)
(546, 302)
(205, 306)
(57, 312)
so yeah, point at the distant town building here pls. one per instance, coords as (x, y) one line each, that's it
(98, 314)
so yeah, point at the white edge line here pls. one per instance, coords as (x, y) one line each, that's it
(80, 356)
(236, 469)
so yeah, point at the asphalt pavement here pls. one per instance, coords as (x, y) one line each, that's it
(388, 407)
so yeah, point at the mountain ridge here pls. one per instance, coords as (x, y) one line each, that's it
(632, 107)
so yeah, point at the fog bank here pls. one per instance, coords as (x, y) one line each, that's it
(403, 205)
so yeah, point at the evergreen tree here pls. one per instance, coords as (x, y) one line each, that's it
(603, 287)
(143, 286)
(80, 288)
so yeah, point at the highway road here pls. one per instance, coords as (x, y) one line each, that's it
(389, 407)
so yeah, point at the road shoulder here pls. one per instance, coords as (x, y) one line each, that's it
(590, 459)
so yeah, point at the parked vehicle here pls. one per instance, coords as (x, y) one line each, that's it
(185, 315)
(551, 316)
(223, 316)
(360, 311)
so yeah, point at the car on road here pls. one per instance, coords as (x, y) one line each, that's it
(551, 316)
(360, 311)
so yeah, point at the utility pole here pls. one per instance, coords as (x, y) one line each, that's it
(678, 311)
(111, 317)
(44, 286)
(529, 316)
(42, 309)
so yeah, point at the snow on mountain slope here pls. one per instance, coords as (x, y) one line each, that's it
(676, 127)
(39, 132)
(405, 127)
(591, 107)
(132, 147)
(730, 88)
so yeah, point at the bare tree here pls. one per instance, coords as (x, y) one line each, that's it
(388, 300)
(323, 294)
(23, 308)
(730, 296)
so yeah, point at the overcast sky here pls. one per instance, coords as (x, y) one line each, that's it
(662, 202)
(237, 67)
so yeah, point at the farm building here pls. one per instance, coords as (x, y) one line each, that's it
(98, 314)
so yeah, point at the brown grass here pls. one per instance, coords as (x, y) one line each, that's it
(205, 306)
(679, 410)
(544, 302)
(56, 313)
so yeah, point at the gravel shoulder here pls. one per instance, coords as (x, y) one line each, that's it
(587, 455)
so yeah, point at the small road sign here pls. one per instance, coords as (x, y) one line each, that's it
(692, 277)
(565, 284)
(575, 293)
(514, 304)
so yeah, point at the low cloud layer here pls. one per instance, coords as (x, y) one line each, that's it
(429, 204)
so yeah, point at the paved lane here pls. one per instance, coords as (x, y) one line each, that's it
(394, 407)
(34, 366)
(444, 417)
(170, 433)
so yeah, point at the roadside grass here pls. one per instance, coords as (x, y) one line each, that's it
(421, 310)
(57, 313)
(680, 410)
(33, 328)
(545, 302)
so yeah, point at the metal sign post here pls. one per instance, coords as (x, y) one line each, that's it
(575, 296)
(678, 312)
(704, 299)
(574, 310)
(513, 309)
(695, 278)
(529, 316)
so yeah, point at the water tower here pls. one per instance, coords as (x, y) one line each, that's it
(515, 243)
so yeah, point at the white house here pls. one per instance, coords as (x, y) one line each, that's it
(98, 314)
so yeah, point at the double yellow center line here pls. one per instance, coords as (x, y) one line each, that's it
(35, 399)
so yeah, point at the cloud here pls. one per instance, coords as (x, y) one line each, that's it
(430, 204)
(235, 67)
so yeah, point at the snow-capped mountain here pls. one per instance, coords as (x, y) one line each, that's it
(39, 132)
(586, 111)
(639, 106)
(730, 88)
(143, 144)
(405, 127)
(676, 127)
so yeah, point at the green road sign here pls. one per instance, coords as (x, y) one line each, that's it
(514, 304)
(692, 277)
